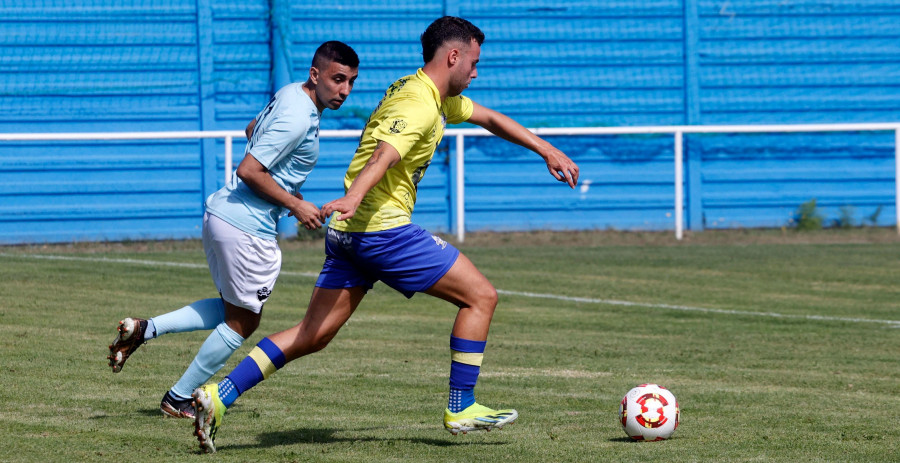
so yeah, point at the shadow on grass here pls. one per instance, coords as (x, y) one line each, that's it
(628, 439)
(622, 439)
(148, 412)
(152, 412)
(327, 436)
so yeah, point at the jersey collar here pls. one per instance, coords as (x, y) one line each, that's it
(424, 77)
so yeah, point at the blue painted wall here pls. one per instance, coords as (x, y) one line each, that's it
(105, 65)
(95, 67)
(770, 62)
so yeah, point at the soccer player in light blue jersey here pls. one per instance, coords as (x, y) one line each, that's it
(239, 226)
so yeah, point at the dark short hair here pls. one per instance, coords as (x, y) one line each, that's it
(448, 29)
(336, 51)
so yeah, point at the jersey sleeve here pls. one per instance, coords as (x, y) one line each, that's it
(403, 124)
(279, 139)
(458, 109)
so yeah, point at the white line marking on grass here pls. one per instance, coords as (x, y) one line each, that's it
(107, 259)
(891, 323)
(151, 263)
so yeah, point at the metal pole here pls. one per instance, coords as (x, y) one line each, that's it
(679, 185)
(460, 189)
(228, 159)
(897, 177)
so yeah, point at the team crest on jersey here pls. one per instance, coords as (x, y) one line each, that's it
(398, 126)
(263, 293)
(439, 242)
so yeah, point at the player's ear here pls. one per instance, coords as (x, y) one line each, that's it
(314, 75)
(453, 57)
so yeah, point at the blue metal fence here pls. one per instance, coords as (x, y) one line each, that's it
(112, 65)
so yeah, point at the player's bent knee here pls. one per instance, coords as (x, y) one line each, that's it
(483, 302)
(245, 327)
(243, 321)
(487, 298)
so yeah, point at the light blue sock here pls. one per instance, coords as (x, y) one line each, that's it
(201, 315)
(220, 344)
(150, 331)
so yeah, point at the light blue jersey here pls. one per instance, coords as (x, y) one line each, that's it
(285, 141)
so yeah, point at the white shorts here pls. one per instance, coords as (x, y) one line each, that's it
(243, 267)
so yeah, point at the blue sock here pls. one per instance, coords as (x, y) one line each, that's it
(465, 365)
(201, 315)
(220, 344)
(266, 358)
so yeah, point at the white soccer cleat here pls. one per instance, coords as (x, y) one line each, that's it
(130, 337)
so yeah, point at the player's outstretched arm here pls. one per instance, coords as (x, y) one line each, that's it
(559, 165)
(257, 177)
(383, 158)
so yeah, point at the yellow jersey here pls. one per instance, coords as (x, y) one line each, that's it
(411, 118)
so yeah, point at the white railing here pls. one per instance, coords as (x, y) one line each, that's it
(677, 131)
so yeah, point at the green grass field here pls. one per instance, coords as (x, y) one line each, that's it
(778, 349)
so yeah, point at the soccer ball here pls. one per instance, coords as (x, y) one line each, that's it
(649, 412)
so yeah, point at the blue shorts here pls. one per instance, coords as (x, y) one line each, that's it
(406, 258)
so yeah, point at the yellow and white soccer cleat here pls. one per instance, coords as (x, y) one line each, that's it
(477, 418)
(209, 412)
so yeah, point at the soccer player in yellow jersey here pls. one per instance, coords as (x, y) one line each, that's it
(371, 237)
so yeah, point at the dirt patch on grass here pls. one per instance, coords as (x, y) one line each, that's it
(667, 238)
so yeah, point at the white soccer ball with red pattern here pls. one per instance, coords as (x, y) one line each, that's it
(649, 412)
